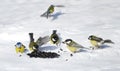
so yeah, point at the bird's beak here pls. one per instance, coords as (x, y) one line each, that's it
(89, 37)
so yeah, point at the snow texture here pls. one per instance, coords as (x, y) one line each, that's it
(78, 19)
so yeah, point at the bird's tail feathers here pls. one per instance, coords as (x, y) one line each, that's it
(107, 41)
(59, 5)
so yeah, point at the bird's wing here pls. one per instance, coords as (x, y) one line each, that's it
(98, 39)
(77, 45)
(42, 40)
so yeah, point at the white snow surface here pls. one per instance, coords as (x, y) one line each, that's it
(78, 19)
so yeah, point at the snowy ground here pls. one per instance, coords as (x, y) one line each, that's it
(77, 20)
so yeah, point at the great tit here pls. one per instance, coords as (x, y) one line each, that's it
(97, 41)
(72, 45)
(54, 38)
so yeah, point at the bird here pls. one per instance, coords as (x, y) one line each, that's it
(49, 11)
(54, 38)
(98, 41)
(20, 48)
(72, 45)
(32, 44)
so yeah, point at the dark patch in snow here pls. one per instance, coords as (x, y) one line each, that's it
(39, 54)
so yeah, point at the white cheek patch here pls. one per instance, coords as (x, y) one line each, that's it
(68, 42)
(53, 39)
(18, 46)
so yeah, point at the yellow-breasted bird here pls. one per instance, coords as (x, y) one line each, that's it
(49, 11)
(54, 38)
(20, 48)
(32, 45)
(72, 45)
(97, 41)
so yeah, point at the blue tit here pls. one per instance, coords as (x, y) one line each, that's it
(72, 45)
(20, 48)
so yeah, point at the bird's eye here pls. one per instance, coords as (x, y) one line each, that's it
(90, 37)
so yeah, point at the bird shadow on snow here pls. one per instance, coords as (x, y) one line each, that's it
(56, 15)
(47, 48)
(82, 50)
(87, 50)
(104, 46)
